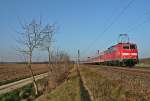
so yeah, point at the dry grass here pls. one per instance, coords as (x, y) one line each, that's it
(12, 72)
(68, 91)
(145, 61)
(107, 84)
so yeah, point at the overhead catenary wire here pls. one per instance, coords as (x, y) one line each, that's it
(109, 26)
(137, 25)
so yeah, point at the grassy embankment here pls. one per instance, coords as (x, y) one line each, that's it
(24, 93)
(103, 87)
(21, 93)
(71, 90)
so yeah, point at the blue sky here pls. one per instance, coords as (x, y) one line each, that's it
(81, 24)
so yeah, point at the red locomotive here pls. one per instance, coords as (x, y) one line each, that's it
(122, 54)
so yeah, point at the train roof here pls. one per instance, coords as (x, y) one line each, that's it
(120, 44)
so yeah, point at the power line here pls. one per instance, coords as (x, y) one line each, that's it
(139, 24)
(134, 27)
(110, 25)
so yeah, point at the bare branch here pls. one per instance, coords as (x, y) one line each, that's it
(31, 39)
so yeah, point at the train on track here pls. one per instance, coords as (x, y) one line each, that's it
(121, 54)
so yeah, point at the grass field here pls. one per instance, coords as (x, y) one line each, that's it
(13, 72)
(145, 61)
(107, 85)
(103, 83)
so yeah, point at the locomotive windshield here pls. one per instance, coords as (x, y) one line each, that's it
(125, 47)
(129, 47)
(132, 46)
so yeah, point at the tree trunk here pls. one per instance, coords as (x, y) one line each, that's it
(49, 60)
(34, 81)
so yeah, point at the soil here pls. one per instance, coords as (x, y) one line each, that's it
(13, 72)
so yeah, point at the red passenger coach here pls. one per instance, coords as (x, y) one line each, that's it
(122, 54)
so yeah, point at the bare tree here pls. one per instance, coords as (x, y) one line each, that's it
(46, 43)
(54, 56)
(30, 39)
(61, 59)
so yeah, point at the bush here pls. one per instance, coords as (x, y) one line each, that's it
(16, 95)
(13, 96)
(26, 92)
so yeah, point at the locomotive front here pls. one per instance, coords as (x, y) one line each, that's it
(129, 54)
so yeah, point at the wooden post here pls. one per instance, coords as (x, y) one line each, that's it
(78, 61)
(98, 56)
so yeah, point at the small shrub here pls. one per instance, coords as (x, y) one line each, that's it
(13, 96)
(26, 92)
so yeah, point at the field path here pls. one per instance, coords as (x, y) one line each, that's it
(18, 84)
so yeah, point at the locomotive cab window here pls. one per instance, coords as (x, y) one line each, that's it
(125, 47)
(132, 46)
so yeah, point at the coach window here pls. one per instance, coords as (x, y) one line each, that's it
(125, 47)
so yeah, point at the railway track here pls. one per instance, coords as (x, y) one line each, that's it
(138, 70)
(134, 71)
(18, 84)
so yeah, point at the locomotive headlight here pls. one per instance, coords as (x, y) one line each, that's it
(134, 54)
(125, 54)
